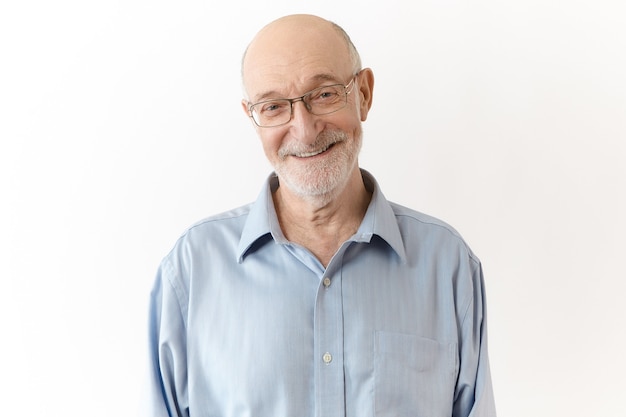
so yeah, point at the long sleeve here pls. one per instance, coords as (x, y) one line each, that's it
(474, 393)
(167, 384)
(243, 322)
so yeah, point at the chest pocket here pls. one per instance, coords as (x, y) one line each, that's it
(413, 376)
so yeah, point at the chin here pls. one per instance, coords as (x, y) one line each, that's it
(323, 179)
(317, 184)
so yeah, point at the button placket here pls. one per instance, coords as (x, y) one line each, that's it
(326, 282)
(329, 346)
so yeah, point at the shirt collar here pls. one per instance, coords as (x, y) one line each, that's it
(379, 220)
(261, 221)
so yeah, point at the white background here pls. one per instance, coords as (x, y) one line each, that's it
(120, 126)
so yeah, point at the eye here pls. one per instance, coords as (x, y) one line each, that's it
(325, 95)
(272, 107)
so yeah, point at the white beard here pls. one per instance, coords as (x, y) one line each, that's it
(321, 179)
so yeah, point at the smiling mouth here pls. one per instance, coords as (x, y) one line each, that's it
(314, 153)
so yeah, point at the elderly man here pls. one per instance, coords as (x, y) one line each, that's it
(321, 298)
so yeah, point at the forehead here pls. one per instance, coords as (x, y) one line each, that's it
(289, 59)
(280, 87)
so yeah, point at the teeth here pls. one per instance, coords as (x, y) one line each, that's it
(309, 154)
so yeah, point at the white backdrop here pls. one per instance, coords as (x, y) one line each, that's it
(120, 126)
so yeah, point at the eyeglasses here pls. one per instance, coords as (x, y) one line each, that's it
(320, 101)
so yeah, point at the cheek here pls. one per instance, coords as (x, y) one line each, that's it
(346, 121)
(271, 143)
(353, 124)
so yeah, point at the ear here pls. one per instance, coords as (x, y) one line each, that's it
(366, 91)
(244, 107)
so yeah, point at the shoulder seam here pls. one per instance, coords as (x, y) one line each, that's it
(181, 294)
(227, 215)
(451, 230)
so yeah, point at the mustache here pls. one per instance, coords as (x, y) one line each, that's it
(322, 142)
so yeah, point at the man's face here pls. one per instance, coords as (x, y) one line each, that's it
(312, 155)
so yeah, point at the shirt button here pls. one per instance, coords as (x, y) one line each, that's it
(326, 282)
(327, 358)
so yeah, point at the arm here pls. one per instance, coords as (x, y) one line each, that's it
(167, 380)
(474, 393)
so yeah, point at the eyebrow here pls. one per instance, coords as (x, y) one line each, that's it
(318, 78)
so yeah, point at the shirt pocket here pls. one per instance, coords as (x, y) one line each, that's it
(414, 376)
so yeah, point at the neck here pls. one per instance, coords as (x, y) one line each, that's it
(321, 224)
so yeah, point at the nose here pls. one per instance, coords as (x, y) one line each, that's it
(303, 125)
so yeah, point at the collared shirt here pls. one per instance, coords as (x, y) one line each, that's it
(245, 323)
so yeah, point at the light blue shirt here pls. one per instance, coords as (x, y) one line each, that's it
(245, 323)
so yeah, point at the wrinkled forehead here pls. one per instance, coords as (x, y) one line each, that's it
(292, 55)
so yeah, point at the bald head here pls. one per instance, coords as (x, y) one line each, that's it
(297, 43)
